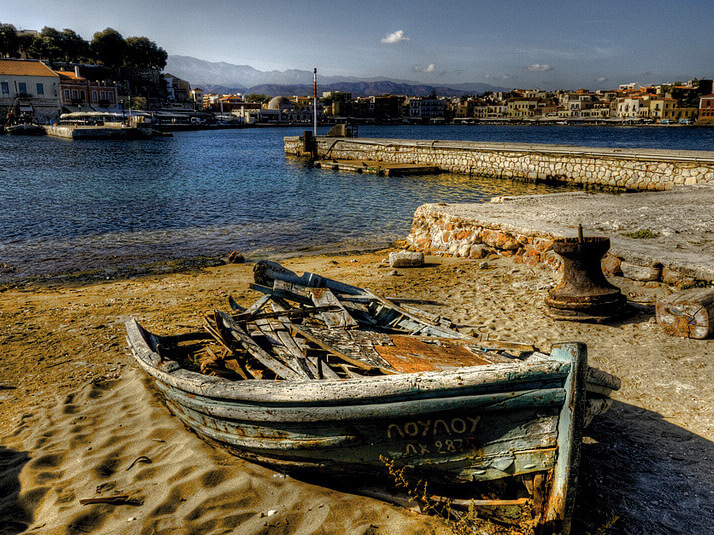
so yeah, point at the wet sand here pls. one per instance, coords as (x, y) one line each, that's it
(78, 419)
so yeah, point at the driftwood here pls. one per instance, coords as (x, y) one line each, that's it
(689, 313)
(111, 500)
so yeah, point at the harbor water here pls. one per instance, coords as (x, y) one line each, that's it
(69, 206)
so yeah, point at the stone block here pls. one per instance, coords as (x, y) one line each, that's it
(611, 265)
(640, 273)
(478, 251)
(406, 259)
(500, 240)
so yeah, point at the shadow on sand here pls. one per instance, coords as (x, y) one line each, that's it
(14, 517)
(643, 475)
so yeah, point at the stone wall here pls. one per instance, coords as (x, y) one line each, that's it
(640, 169)
(438, 233)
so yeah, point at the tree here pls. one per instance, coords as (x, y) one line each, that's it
(48, 45)
(142, 52)
(109, 47)
(27, 45)
(8, 41)
(256, 97)
(75, 48)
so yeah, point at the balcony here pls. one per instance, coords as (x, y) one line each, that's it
(24, 96)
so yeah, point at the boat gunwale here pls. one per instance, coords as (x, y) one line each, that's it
(374, 388)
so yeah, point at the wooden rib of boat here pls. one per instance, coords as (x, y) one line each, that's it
(331, 378)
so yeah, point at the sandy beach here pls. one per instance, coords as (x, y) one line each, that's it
(79, 420)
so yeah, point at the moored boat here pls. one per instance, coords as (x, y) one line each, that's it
(334, 379)
(23, 126)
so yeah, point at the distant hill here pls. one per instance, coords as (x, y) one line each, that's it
(224, 77)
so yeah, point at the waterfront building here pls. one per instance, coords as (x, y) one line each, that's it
(522, 107)
(178, 92)
(706, 110)
(197, 97)
(29, 87)
(424, 109)
(78, 93)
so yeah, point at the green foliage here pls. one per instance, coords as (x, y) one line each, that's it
(640, 234)
(257, 97)
(141, 52)
(8, 40)
(109, 47)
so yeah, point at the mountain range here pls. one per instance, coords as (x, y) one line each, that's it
(222, 77)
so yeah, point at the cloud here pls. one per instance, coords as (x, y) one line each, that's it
(602, 79)
(499, 77)
(420, 68)
(393, 38)
(537, 67)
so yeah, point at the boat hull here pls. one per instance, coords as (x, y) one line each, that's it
(471, 426)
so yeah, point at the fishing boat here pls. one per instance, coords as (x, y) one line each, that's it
(322, 377)
(24, 126)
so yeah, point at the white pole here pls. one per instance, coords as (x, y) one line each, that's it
(314, 100)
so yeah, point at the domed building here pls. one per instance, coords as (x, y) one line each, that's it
(281, 103)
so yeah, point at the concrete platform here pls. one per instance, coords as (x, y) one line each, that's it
(680, 223)
(377, 167)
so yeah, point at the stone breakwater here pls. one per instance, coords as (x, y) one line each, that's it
(678, 251)
(624, 169)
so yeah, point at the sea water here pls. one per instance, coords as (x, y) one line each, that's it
(78, 205)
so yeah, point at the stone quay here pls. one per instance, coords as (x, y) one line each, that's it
(589, 167)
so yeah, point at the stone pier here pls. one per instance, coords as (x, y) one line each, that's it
(621, 169)
(656, 237)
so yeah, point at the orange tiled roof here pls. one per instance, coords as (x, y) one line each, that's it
(71, 75)
(23, 67)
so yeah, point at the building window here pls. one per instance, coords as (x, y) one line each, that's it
(5, 88)
(94, 96)
(102, 95)
(23, 88)
(40, 89)
(74, 94)
(111, 96)
(66, 94)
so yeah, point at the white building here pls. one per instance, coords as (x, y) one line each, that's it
(29, 87)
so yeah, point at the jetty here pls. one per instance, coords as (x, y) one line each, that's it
(657, 238)
(605, 168)
(377, 167)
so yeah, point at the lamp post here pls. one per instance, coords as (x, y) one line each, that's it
(314, 100)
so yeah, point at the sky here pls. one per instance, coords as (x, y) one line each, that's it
(513, 43)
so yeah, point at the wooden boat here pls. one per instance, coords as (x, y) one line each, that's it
(24, 127)
(335, 379)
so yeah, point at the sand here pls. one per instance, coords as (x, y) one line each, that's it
(79, 420)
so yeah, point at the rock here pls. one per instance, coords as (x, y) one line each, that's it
(406, 259)
(6, 268)
(640, 273)
(611, 265)
(477, 251)
(394, 273)
(483, 265)
(236, 258)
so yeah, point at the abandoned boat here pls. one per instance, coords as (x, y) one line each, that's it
(332, 378)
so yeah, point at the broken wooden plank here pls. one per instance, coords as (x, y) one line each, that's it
(689, 313)
(270, 362)
(289, 313)
(410, 355)
(235, 307)
(274, 333)
(255, 307)
(319, 340)
(338, 318)
(280, 293)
